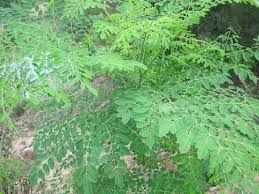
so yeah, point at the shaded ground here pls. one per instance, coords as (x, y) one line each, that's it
(244, 19)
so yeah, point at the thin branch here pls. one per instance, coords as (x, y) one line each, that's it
(4, 126)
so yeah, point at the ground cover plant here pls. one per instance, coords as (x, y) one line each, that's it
(133, 101)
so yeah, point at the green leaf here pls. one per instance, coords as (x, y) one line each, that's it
(257, 54)
(121, 102)
(150, 135)
(228, 165)
(109, 170)
(33, 178)
(45, 168)
(41, 175)
(165, 126)
(185, 139)
(202, 143)
(92, 174)
(140, 109)
(125, 118)
(119, 181)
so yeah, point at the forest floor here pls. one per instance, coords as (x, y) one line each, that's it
(22, 141)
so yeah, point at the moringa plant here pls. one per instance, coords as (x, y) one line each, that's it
(191, 97)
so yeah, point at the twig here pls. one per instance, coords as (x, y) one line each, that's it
(2, 138)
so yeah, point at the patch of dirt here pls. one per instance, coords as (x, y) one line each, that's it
(129, 161)
(165, 160)
(22, 141)
(104, 84)
(21, 146)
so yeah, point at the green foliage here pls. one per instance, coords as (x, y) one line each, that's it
(11, 171)
(75, 8)
(221, 124)
(94, 144)
(35, 52)
(192, 94)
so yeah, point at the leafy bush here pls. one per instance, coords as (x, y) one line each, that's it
(11, 172)
(190, 97)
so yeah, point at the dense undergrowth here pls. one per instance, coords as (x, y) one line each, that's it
(182, 113)
(220, 18)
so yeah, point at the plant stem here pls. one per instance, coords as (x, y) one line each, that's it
(142, 74)
(141, 59)
(2, 138)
